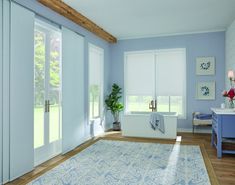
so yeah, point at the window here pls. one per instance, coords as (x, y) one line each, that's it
(96, 60)
(155, 75)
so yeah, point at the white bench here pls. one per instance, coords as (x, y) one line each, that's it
(200, 122)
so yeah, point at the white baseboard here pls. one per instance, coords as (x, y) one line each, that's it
(108, 127)
(4, 182)
(83, 140)
(196, 130)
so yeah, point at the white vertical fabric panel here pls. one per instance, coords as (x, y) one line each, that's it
(139, 73)
(73, 113)
(1, 88)
(21, 91)
(170, 72)
(6, 90)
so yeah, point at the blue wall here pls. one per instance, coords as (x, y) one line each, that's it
(40, 10)
(204, 44)
(207, 44)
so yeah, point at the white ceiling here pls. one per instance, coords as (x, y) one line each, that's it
(145, 18)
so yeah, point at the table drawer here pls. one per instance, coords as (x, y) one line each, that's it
(228, 126)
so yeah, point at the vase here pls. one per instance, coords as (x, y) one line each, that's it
(231, 104)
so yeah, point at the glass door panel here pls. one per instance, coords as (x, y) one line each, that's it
(54, 87)
(47, 86)
(39, 88)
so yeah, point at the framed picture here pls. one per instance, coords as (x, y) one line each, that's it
(205, 65)
(205, 91)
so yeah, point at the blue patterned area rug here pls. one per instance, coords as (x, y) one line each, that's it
(109, 162)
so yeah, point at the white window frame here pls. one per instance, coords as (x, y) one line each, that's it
(184, 99)
(101, 106)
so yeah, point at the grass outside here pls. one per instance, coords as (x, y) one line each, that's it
(94, 110)
(141, 104)
(135, 107)
(54, 126)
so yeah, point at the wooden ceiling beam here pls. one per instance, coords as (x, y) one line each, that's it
(71, 14)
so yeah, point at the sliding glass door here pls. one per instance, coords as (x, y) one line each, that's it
(47, 91)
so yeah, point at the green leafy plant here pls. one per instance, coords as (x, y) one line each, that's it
(113, 102)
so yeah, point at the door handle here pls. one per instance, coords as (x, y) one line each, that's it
(45, 109)
(48, 105)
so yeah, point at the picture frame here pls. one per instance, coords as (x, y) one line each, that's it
(205, 90)
(205, 65)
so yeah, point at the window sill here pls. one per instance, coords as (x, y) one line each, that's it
(181, 117)
(93, 120)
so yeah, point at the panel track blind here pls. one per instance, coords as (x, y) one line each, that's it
(73, 113)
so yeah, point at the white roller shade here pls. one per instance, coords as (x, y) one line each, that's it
(170, 72)
(139, 73)
(95, 65)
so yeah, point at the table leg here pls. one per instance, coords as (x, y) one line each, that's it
(219, 145)
(212, 137)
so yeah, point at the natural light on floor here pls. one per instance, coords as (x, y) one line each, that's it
(178, 138)
(172, 164)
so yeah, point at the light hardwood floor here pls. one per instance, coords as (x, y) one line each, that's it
(224, 168)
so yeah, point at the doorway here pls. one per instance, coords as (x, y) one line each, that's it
(47, 92)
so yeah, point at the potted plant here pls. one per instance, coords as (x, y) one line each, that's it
(114, 105)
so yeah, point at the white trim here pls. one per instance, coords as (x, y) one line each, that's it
(44, 25)
(196, 130)
(153, 51)
(185, 88)
(171, 34)
(95, 47)
(83, 140)
(138, 52)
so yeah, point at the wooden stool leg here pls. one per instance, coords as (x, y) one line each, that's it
(193, 115)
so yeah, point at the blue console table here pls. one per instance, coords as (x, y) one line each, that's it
(223, 127)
